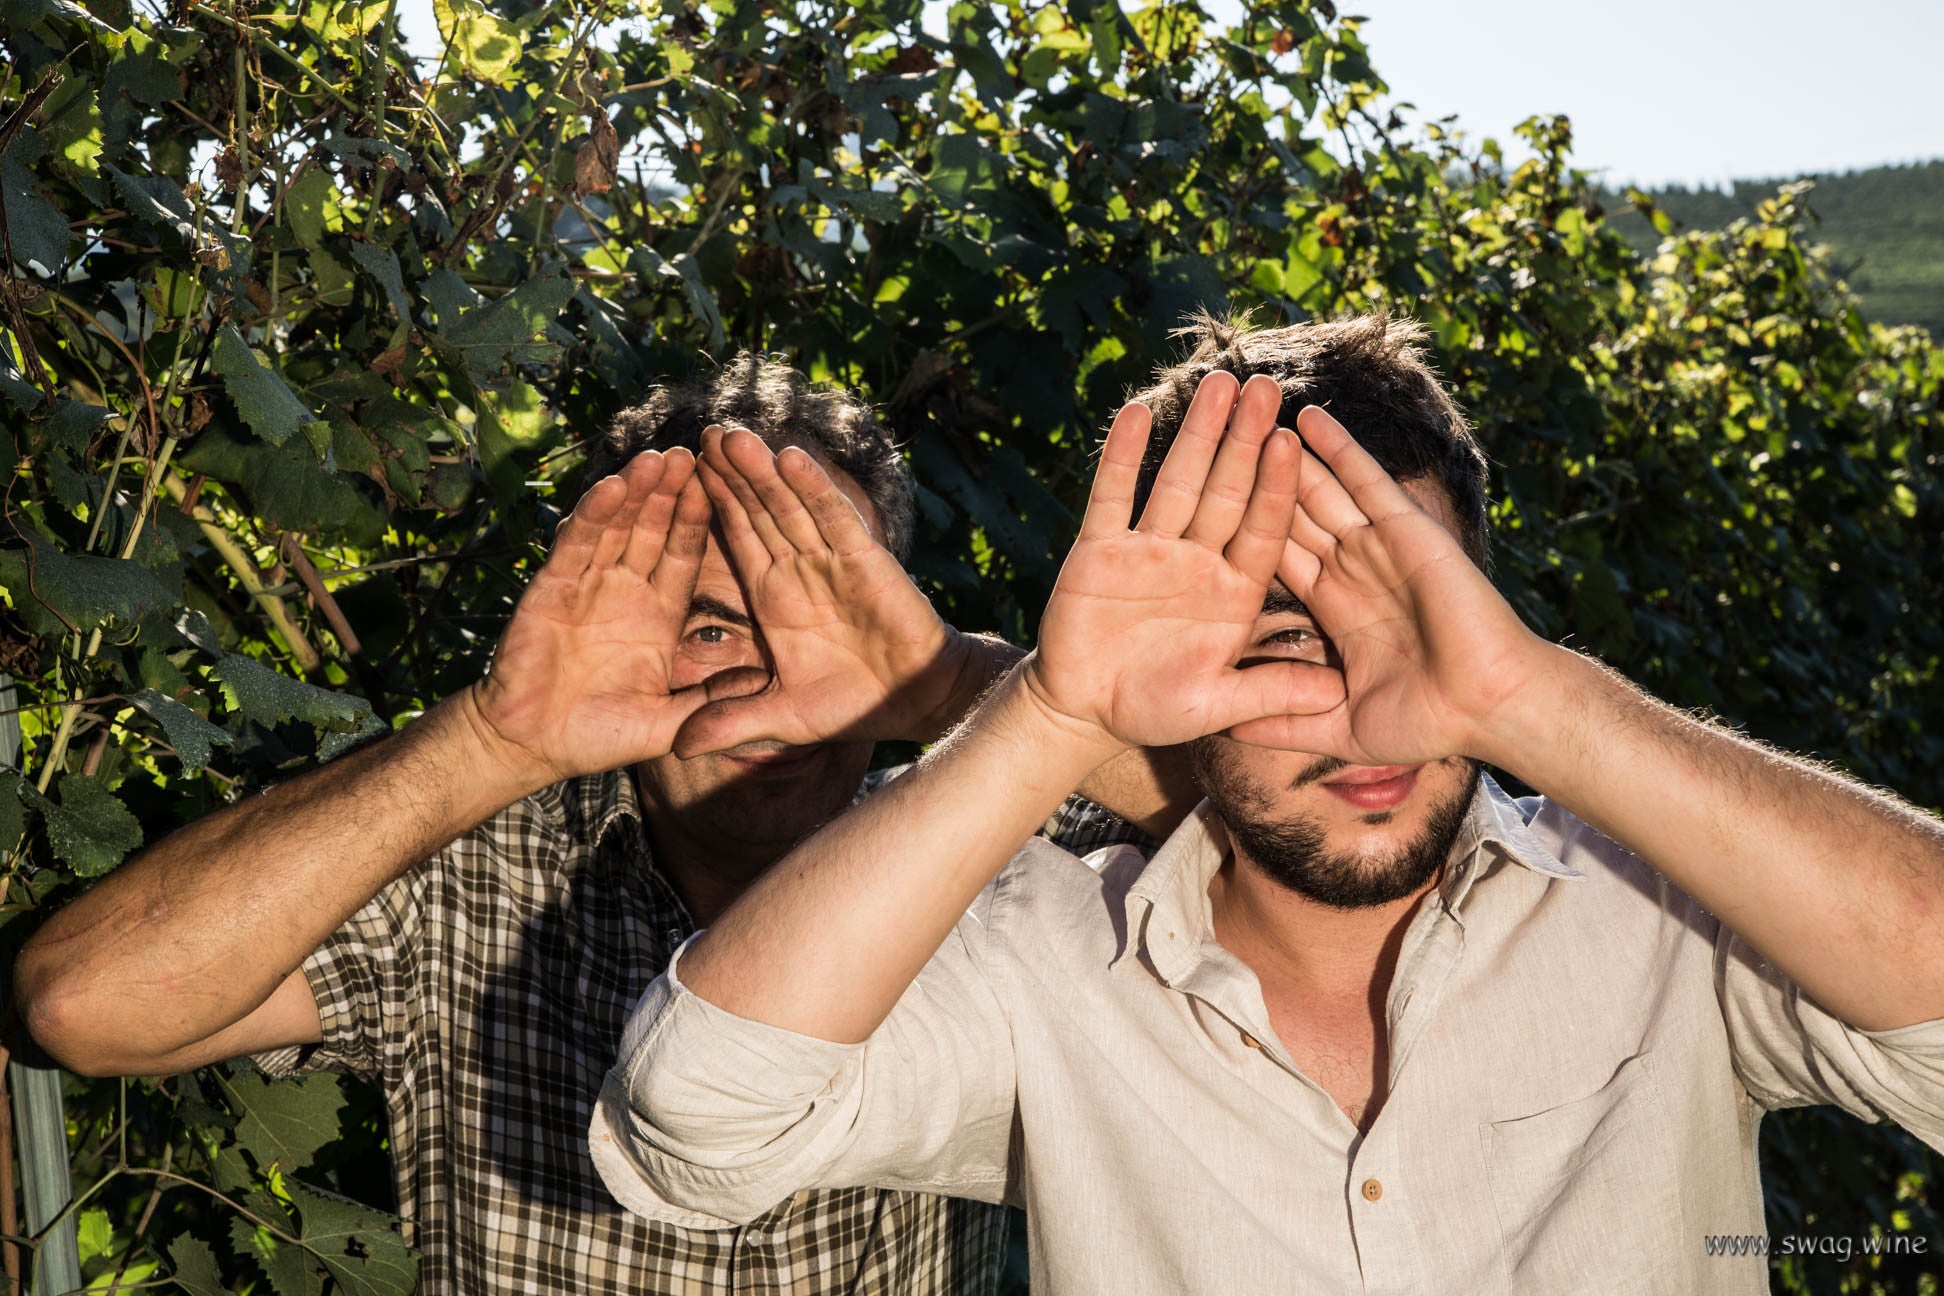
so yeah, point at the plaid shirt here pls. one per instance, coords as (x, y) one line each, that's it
(485, 992)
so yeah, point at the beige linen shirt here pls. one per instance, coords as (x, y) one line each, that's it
(1579, 1059)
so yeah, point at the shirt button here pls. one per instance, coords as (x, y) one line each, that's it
(1251, 1040)
(1372, 1190)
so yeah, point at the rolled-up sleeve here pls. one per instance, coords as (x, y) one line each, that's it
(709, 1119)
(1789, 1052)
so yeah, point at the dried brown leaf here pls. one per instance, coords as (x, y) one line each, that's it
(598, 157)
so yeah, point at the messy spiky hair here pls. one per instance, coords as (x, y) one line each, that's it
(780, 405)
(1369, 371)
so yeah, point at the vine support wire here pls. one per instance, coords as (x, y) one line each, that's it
(40, 1123)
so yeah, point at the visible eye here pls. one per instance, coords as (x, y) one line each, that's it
(1294, 643)
(710, 634)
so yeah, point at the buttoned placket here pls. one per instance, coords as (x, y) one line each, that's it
(1376, 1191)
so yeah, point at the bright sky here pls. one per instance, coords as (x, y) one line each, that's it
(1694, 91)
(1689, 91)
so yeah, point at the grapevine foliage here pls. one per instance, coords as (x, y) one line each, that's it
(297, 338)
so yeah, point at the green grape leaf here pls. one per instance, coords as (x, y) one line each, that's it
(159, 201)
(262, 396)
(13, 811)
(94, 1234)
(195, 1267)
(285, 1122)
(381, 263)
(56, 592)
(73, 125)
(35, 226)
(486, 45)
(359, 1246)
(286, 486)
(484, 338)
(88, 828)
(268, 697)
(189, 733)
(291, 1268)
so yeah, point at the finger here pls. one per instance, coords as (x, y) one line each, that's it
(1263, 531)
(746, 549)
(760, 522)
(1178, 487)
(679, 711)
(1303, 554)
(761, 472)
(573, 546)
(838, 523)
(649, 532)
(1282, 689)
(1299, 569)
(640, 475)
(743, 707)
(1325, 502)
(1231, 480)
(680, 560)
(1321, 735)
(1373, 489)
(1110, 506)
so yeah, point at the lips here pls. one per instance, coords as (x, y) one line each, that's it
(778, 763)
(1375, 787)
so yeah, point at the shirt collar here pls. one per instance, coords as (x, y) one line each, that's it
(1495, 829)
(596, 802)
(1168, 914)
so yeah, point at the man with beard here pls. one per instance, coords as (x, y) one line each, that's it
(1364, 1023)
(465, 912)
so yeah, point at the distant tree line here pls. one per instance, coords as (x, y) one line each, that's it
(1884, 227)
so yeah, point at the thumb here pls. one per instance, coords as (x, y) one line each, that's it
(1303, 733)
(1282, 699)
(742, 705)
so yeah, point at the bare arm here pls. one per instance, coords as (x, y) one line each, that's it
(1839, 886)
(1139, 646)
(190, 951)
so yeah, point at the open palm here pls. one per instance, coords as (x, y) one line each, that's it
(855, 649)
(1145, 627)
(580, 680)
(1429, 650)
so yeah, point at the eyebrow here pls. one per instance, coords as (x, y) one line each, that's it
(714, 609)
(1278, 599)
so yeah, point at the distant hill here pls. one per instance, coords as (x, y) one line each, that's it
(1886, 226)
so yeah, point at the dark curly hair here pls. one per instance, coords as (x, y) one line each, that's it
(781, 406)
(1369, 371)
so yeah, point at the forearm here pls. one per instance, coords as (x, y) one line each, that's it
(195, 933)
(1840, 886)
(1148, 787)
(826, 942)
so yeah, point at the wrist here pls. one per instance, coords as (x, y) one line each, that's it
(1085, 743)
(1548, 707)
(962, 672)
(500, 770)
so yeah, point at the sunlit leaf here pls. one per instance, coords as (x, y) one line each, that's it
(487, 46)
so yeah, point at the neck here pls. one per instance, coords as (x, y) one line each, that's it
(709, 875)
(1301, 947)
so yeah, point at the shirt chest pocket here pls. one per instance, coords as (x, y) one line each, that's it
(1586, 1177)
